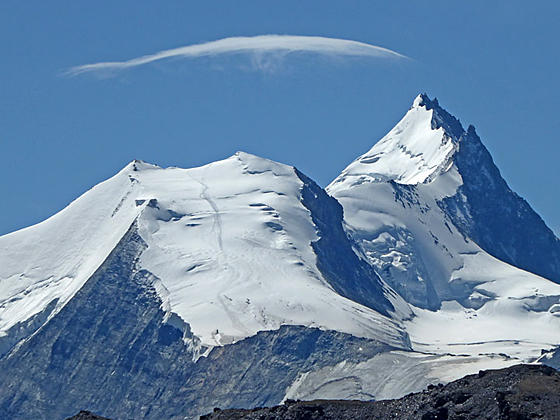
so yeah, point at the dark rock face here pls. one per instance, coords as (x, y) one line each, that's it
(97, 350)
(257, 371)
(110, 350)
(520, 392)
(487, 211)
(551, 358)
(442, 118)
(349, 276)
(24, 329)
(500, 221)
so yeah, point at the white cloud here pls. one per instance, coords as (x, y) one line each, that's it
(278, 45)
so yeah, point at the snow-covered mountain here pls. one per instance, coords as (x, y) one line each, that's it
(166, 292)
(428, 208)
(233, 248)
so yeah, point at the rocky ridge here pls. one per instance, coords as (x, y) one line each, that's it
(521, 392)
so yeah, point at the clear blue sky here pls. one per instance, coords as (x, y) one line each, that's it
(492, 64)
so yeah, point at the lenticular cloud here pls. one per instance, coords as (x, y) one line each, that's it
(255, 45)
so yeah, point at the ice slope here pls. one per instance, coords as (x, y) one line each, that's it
(466, 301)
(230, 244)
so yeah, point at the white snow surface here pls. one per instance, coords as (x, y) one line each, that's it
(229, 242)
(238, 259)
(411, 153)
(487, 306)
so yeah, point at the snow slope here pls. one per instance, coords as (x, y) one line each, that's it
(230, 244)
(50, 261)
(466, 301)
(412, 152)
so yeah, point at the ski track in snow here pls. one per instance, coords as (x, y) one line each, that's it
(217, 218)
(223, 262)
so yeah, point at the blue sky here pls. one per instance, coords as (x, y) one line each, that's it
(491, 65)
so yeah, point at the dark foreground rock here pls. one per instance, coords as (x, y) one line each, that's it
(520, 392)
(86, 415)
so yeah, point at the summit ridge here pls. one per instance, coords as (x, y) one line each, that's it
(415, 151)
